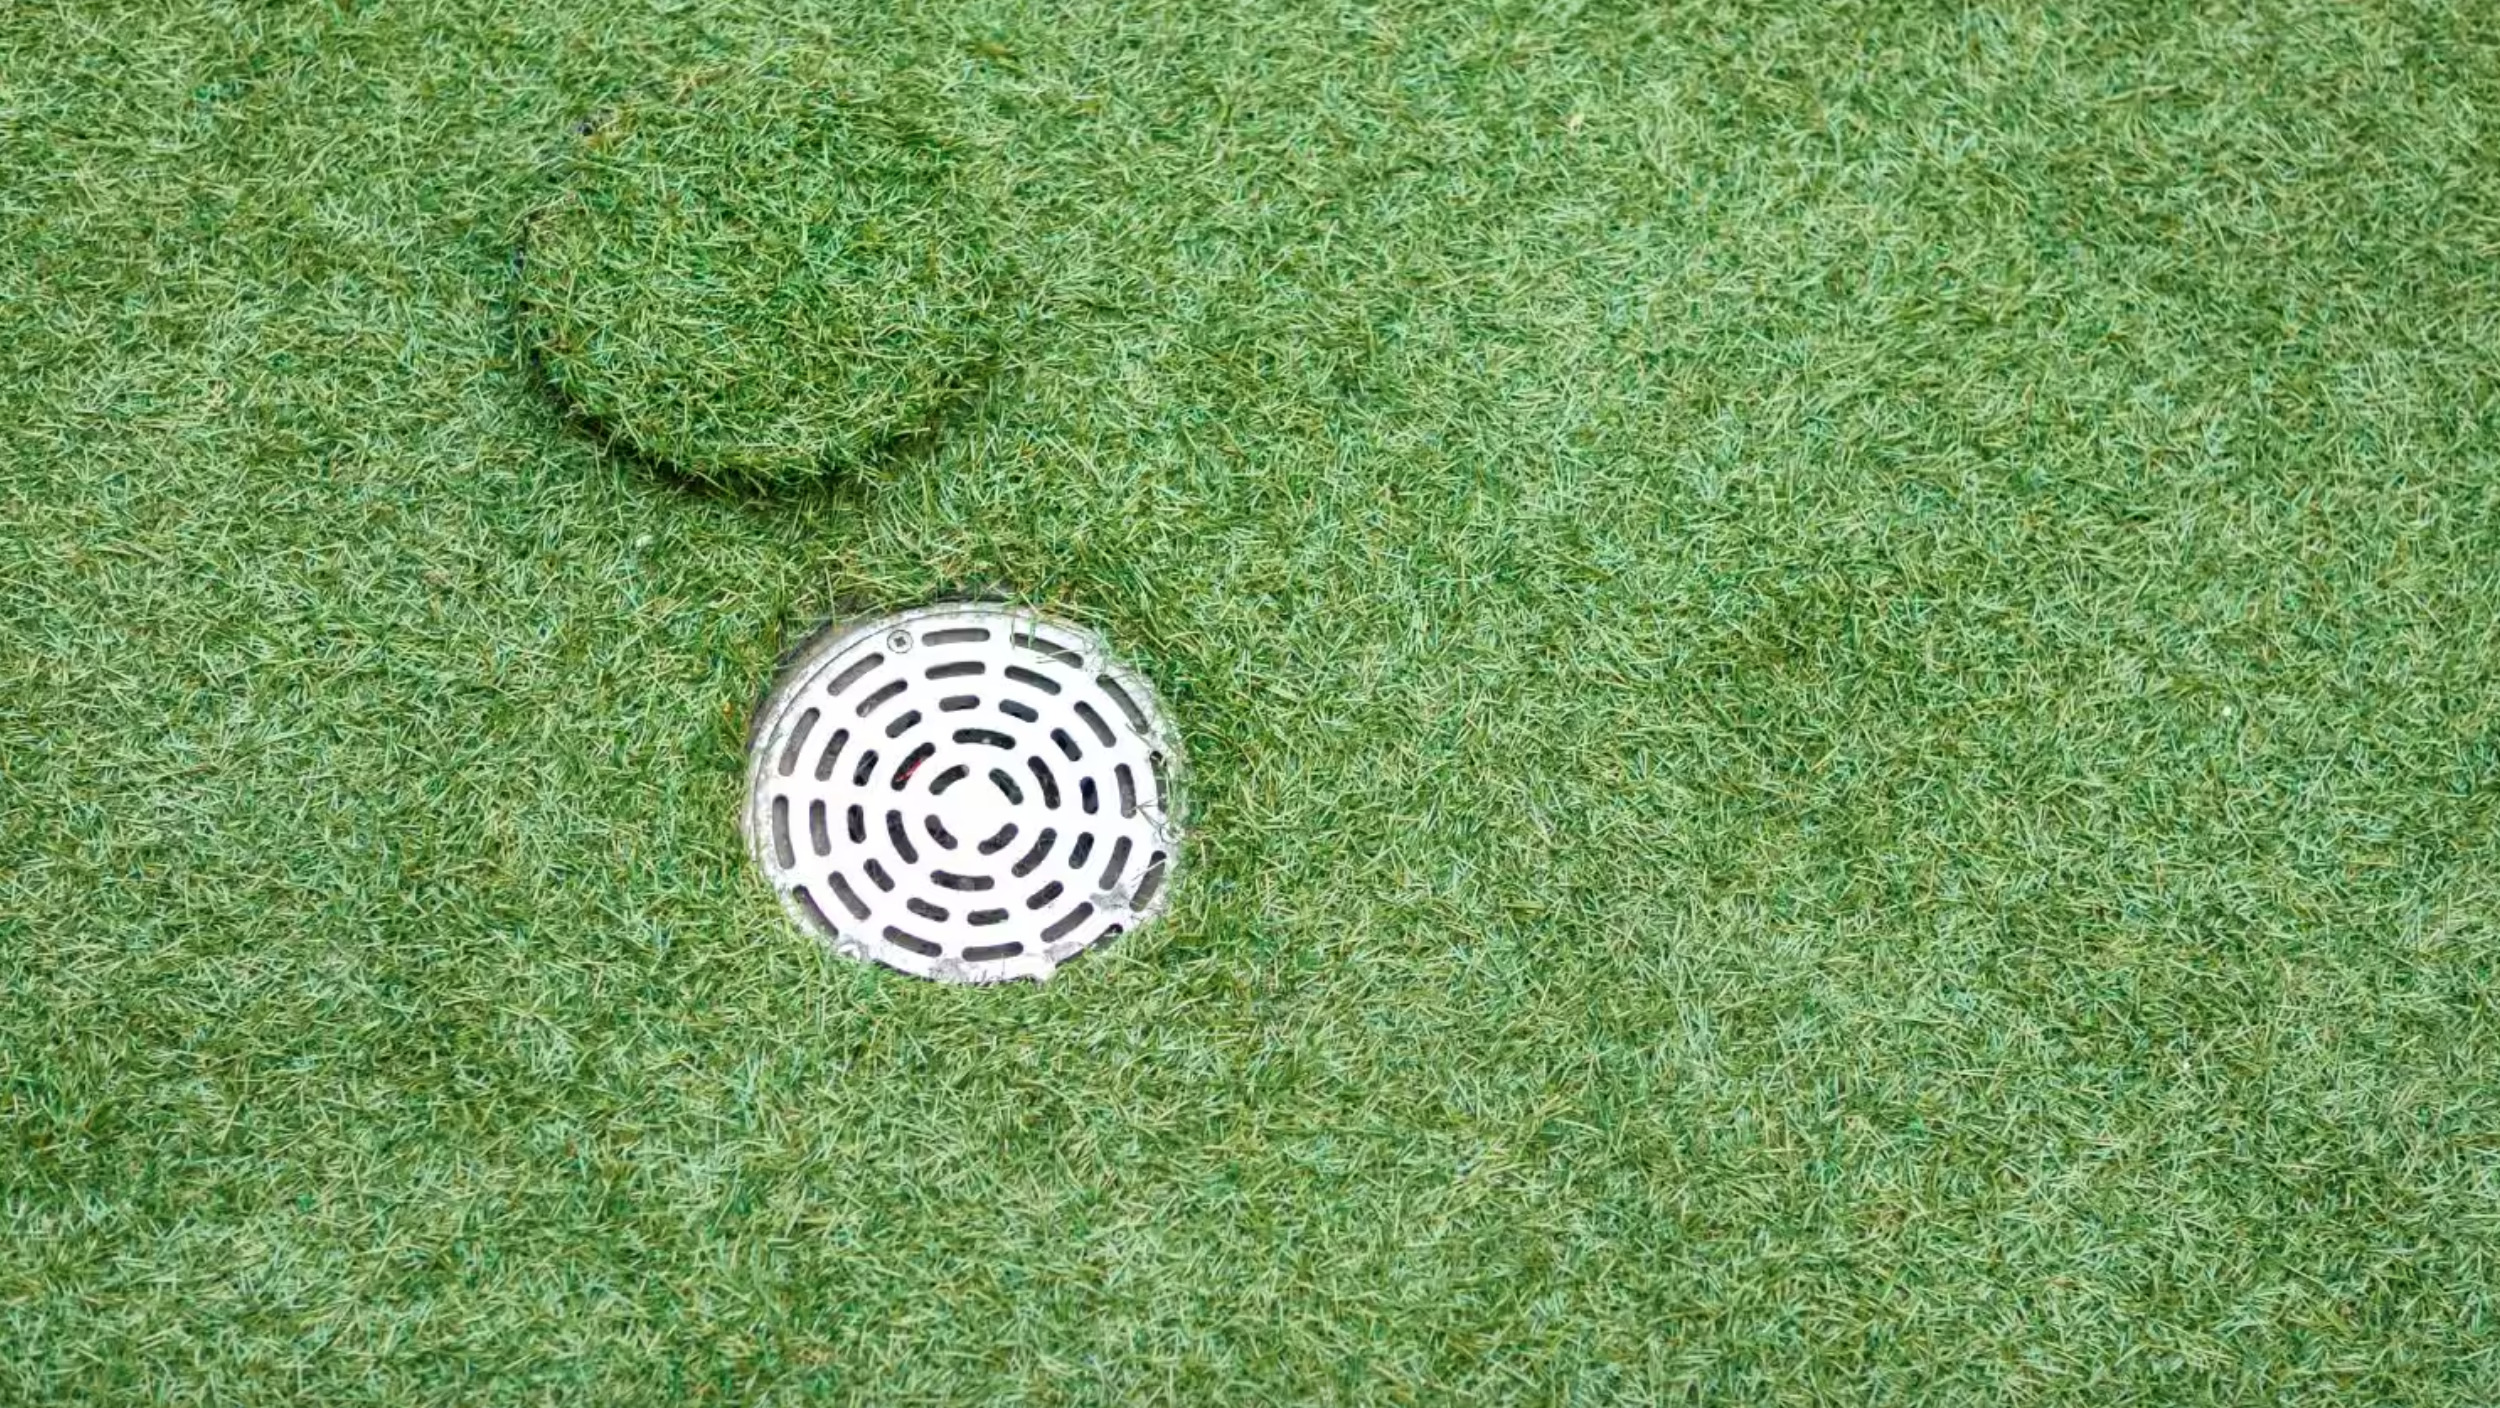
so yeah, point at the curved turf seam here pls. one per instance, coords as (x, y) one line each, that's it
(765, 281)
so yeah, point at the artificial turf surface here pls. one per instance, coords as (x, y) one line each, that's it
(760, 279)
(1840, 665)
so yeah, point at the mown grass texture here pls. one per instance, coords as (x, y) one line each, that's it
(1837, 662)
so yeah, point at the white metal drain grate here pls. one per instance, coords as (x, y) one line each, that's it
(970, 793)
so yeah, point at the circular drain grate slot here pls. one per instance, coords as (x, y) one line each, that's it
(968, 793)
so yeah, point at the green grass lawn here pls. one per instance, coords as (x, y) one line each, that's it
(1842, 667)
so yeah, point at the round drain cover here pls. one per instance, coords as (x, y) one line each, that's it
(971, 793)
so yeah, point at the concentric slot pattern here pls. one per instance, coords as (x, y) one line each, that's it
(965, 793)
